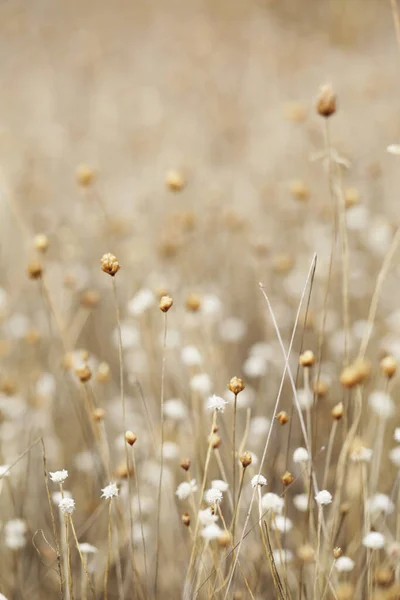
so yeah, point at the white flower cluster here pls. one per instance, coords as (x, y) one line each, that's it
(110, 491)
(59, 476)
(185, 489)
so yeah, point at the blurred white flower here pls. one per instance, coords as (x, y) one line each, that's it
(300, 501)
(232, 329)
(357, 217)
(201, 383)
(361, 454)
(16, 326)
(175, 409)
(255, 366)
(380, 503)
(258, 480)
(4, 471)
(382, 404)
(374, 540)
(14, 532)
(86, 548)
(190, 356)
(86, 461)
(323, 498)
(110, 491)
(344, 564)
(219, 484)
(213, 496)
(397, 434)
(211, 532)
(305, 398)
(207, 517)
(170, 450)
(394, 456)
(45, 385)
(282, 557)
(282, 524)
(272, 503)
(67, 506)
(59, 476)
(300, 455)
(263, 350)
(393, 149)
(216, 403)
(129, 335)
(58, 496)
(259, 426)
(142, 301)
(185, 489)
(211, 305)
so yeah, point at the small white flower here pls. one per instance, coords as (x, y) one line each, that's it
(211, 305)
(361, 454)
(186, 488)
(170, 450)
(201, 383)
(219, 484)
(143, 300)
(305, 398)
(2, 597)
(397, 434)
(301, 502)
(86, 548)
(255, 366)
(282, 557)
(300, 455)
(175, 410)
(344, 564)
(190, 356)
(232, 329)
(258, 480)
(129, 334)
(213, 496)
(216, 403)
(266, 351)
(374, 540)
(382, 404)
(206, 517)
(394, 456)
(67, 506)
(282, 524)
(4, 471)
(110, 491)
(393, 149)
(380, 503)
(272, 503)
(323, 498)
(211, 532)
(59, 476)
(15, 527)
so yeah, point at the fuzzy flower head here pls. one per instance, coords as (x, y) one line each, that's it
(213, 496)
(374, 540)
(211, 532)
(185, 489)
(300, 502)
(282, 524)
(219, 484)
(59, 476)
(394, 456)
(397, 434)
(207, 517)
(86, 548)
(381, 404)
(258, 480)
(272, 503)
(201, 383)
(300, 455)
(67, 506)
(344, 564)
(110, 491)
(216, 403)
(380, 503)
(323, 498)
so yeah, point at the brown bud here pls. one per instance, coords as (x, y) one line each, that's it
(103, 373)
(236, 385)
(35, 269)
(384, 576)
(84, 175)
(90, 298)
(246, 459)
(326, 102)
(41, 242)
(186, 519)
(98, 414)
(123, 472)
(193, 302)
(299, 190)
(282, 417)
(320, 387)
(165, 303)
(130, 437)
(287, 478)
(388, 366)
(337, 552)
(185, 464)
(224, 539)
(307, 359)
(355, 374)
(214, 440)
(337, 411)
(109, 264)
(175, 181)
(344, 508)
(84, 373)
(305, 553)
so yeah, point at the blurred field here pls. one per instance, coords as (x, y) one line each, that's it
(208, 171)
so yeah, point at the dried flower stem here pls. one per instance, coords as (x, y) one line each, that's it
(234, 461)
(329, 453)
(317, 557)
(109, 542)
(140, 515)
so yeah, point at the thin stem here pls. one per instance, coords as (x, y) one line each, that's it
(69, 571)
(329, 453)
(316, 574)
(234, 450)
(140, 515)
(107, 569)
(84, 565)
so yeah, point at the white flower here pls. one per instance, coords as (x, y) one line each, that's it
(190, 356)
(361, 454)
(218, 484)
(282, 557)
(211, 532)
(380, 503)
(186, 488)
(143, 300)
(170, 450)
(374, 540)
(282, 524)
(175, 409)
(211, 305)
(216, 403)
(4, 471)
(2, 597)
(45, 385)
(300, 455)
(393, 149)
(129, 334)
(258, 480)
(255, 366)
(382, 404)
(272, 503)
(305, 398)
(397, 434)
(59, 476)
(15, 527)
(58, 496)
(323, 497)
(301, 502)
(232, 329)
(86, 548)
(344, 564)
(394, 456)
(67, 506)
(110, 491)
(206, 517)
(262, 349)
(213, 496)
(201, 383)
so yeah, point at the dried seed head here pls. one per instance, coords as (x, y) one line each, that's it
(41, 242)
(109, 264)
(287, 478)
(337, 552)
(130, 437)
(351, 197)
(326, 102)
(193, 302)
(384, 576)
(236, 385)
(103, 373)
(389, 366)
(165, 303)
(320, 387)
(123, 472)
(337, 411)
(344, 508)
(185, 464)
(299, 190)
(307, 359)
(246, 459)
(90, 298)
(84, 373)
(98, 414)
(214, 440)
(35, 269)
(224, 539)
(84, 175)
(175, 181)
(355, 374)
(169, 245)
(305, 553)
(186, 519)
(282, 417)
